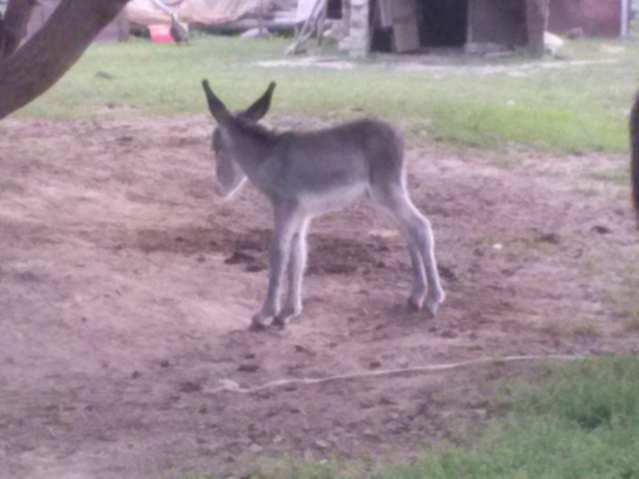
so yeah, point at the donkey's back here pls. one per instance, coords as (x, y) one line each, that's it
(341, 161)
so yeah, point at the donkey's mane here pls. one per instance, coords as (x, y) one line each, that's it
(255, 130)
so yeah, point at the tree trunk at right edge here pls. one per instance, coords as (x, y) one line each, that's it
(634, 155)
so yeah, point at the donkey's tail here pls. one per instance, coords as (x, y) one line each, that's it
(634, 152)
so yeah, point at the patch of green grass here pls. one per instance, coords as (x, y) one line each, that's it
(577, 420)
(550, 105)
(589, 393)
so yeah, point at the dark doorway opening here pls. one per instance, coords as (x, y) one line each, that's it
(442, 23)
(411, 25)
(381, 36)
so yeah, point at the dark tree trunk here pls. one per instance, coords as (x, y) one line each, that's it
(1, 34)
(14, 27)
(46, 57)
(634, 155)
(537, 22)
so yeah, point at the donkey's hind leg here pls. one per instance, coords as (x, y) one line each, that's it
(417, 231)
(296, 265)
(422, 233)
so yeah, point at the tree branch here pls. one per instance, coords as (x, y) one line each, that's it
(47, 56)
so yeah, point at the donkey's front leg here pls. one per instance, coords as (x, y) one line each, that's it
(297, 263)
(285, 227)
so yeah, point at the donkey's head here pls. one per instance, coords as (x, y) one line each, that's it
(226, 138)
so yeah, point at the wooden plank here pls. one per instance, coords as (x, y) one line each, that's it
(405, 29)
(386, 13)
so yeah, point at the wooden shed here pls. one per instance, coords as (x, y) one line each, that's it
(477, 26)
(413, 25)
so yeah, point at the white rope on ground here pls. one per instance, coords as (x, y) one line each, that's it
(232, 386)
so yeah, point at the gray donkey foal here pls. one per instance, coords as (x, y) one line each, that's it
(306, 174)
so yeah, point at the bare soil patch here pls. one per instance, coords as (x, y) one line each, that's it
(126, 289)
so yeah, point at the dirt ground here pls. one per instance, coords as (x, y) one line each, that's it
(126, 289)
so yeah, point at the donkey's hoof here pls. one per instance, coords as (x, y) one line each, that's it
(279, 323)
(431, 308)
(432, 303)
(285, 315)
(429, 314)
(412, 306)
(256, 327)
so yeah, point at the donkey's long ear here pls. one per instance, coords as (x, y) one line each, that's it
(216, 107)
(258, 109)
